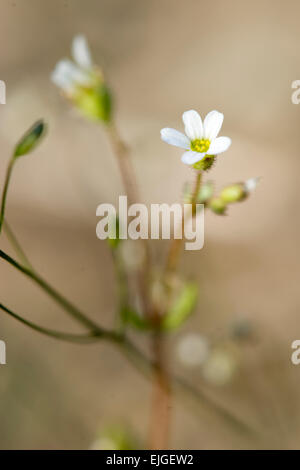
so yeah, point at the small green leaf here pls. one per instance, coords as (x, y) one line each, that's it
(30, 139)
(182, 307)
(132, 318)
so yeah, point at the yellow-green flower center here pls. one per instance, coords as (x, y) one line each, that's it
(200, 145)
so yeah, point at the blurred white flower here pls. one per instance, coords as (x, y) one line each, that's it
(200, 139)
(250, 184)
(192, 350)
(69, 74)
(83, 83)
(220, 366)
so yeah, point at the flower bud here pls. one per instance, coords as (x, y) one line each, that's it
(233, 193)
(217, 205)
(30, 139)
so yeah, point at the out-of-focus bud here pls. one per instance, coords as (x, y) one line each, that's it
(217, 205)
(206, 192)
(221, 365)
(233, 193)
(182, 307)
(239, 191)
(30, 139)
(192, 350)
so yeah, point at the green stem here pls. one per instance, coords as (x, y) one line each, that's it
(68, 306)
(5, 190)
(75, 338)
(16, 245)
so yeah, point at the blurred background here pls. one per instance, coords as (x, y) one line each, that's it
(161, 58)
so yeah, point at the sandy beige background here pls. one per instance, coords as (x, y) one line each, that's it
(162, 57)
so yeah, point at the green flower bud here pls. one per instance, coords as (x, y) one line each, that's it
(217, 205)
(233, 193)
(30, 139)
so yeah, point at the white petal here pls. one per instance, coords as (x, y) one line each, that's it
(81, 52)
(219, 145)
(192, 157)
(212, 124)
(193, 124)
(62, 75)
(67, 73)
(173, 137)
(251, 184)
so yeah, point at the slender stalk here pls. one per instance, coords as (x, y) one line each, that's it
(68, 306)
(126, 169)
(5, 190)
(74, 338)
(162, 393)
(176, 243)
(130, 185)
(16, 245)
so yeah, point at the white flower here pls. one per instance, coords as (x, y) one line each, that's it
(68, 75)
(250, 184)
(200, 139)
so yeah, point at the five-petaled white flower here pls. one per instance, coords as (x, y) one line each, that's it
(200, 139)
(69, 75)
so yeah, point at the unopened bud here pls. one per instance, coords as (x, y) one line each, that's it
(233, 193)
(217, 205)
(30, 139)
